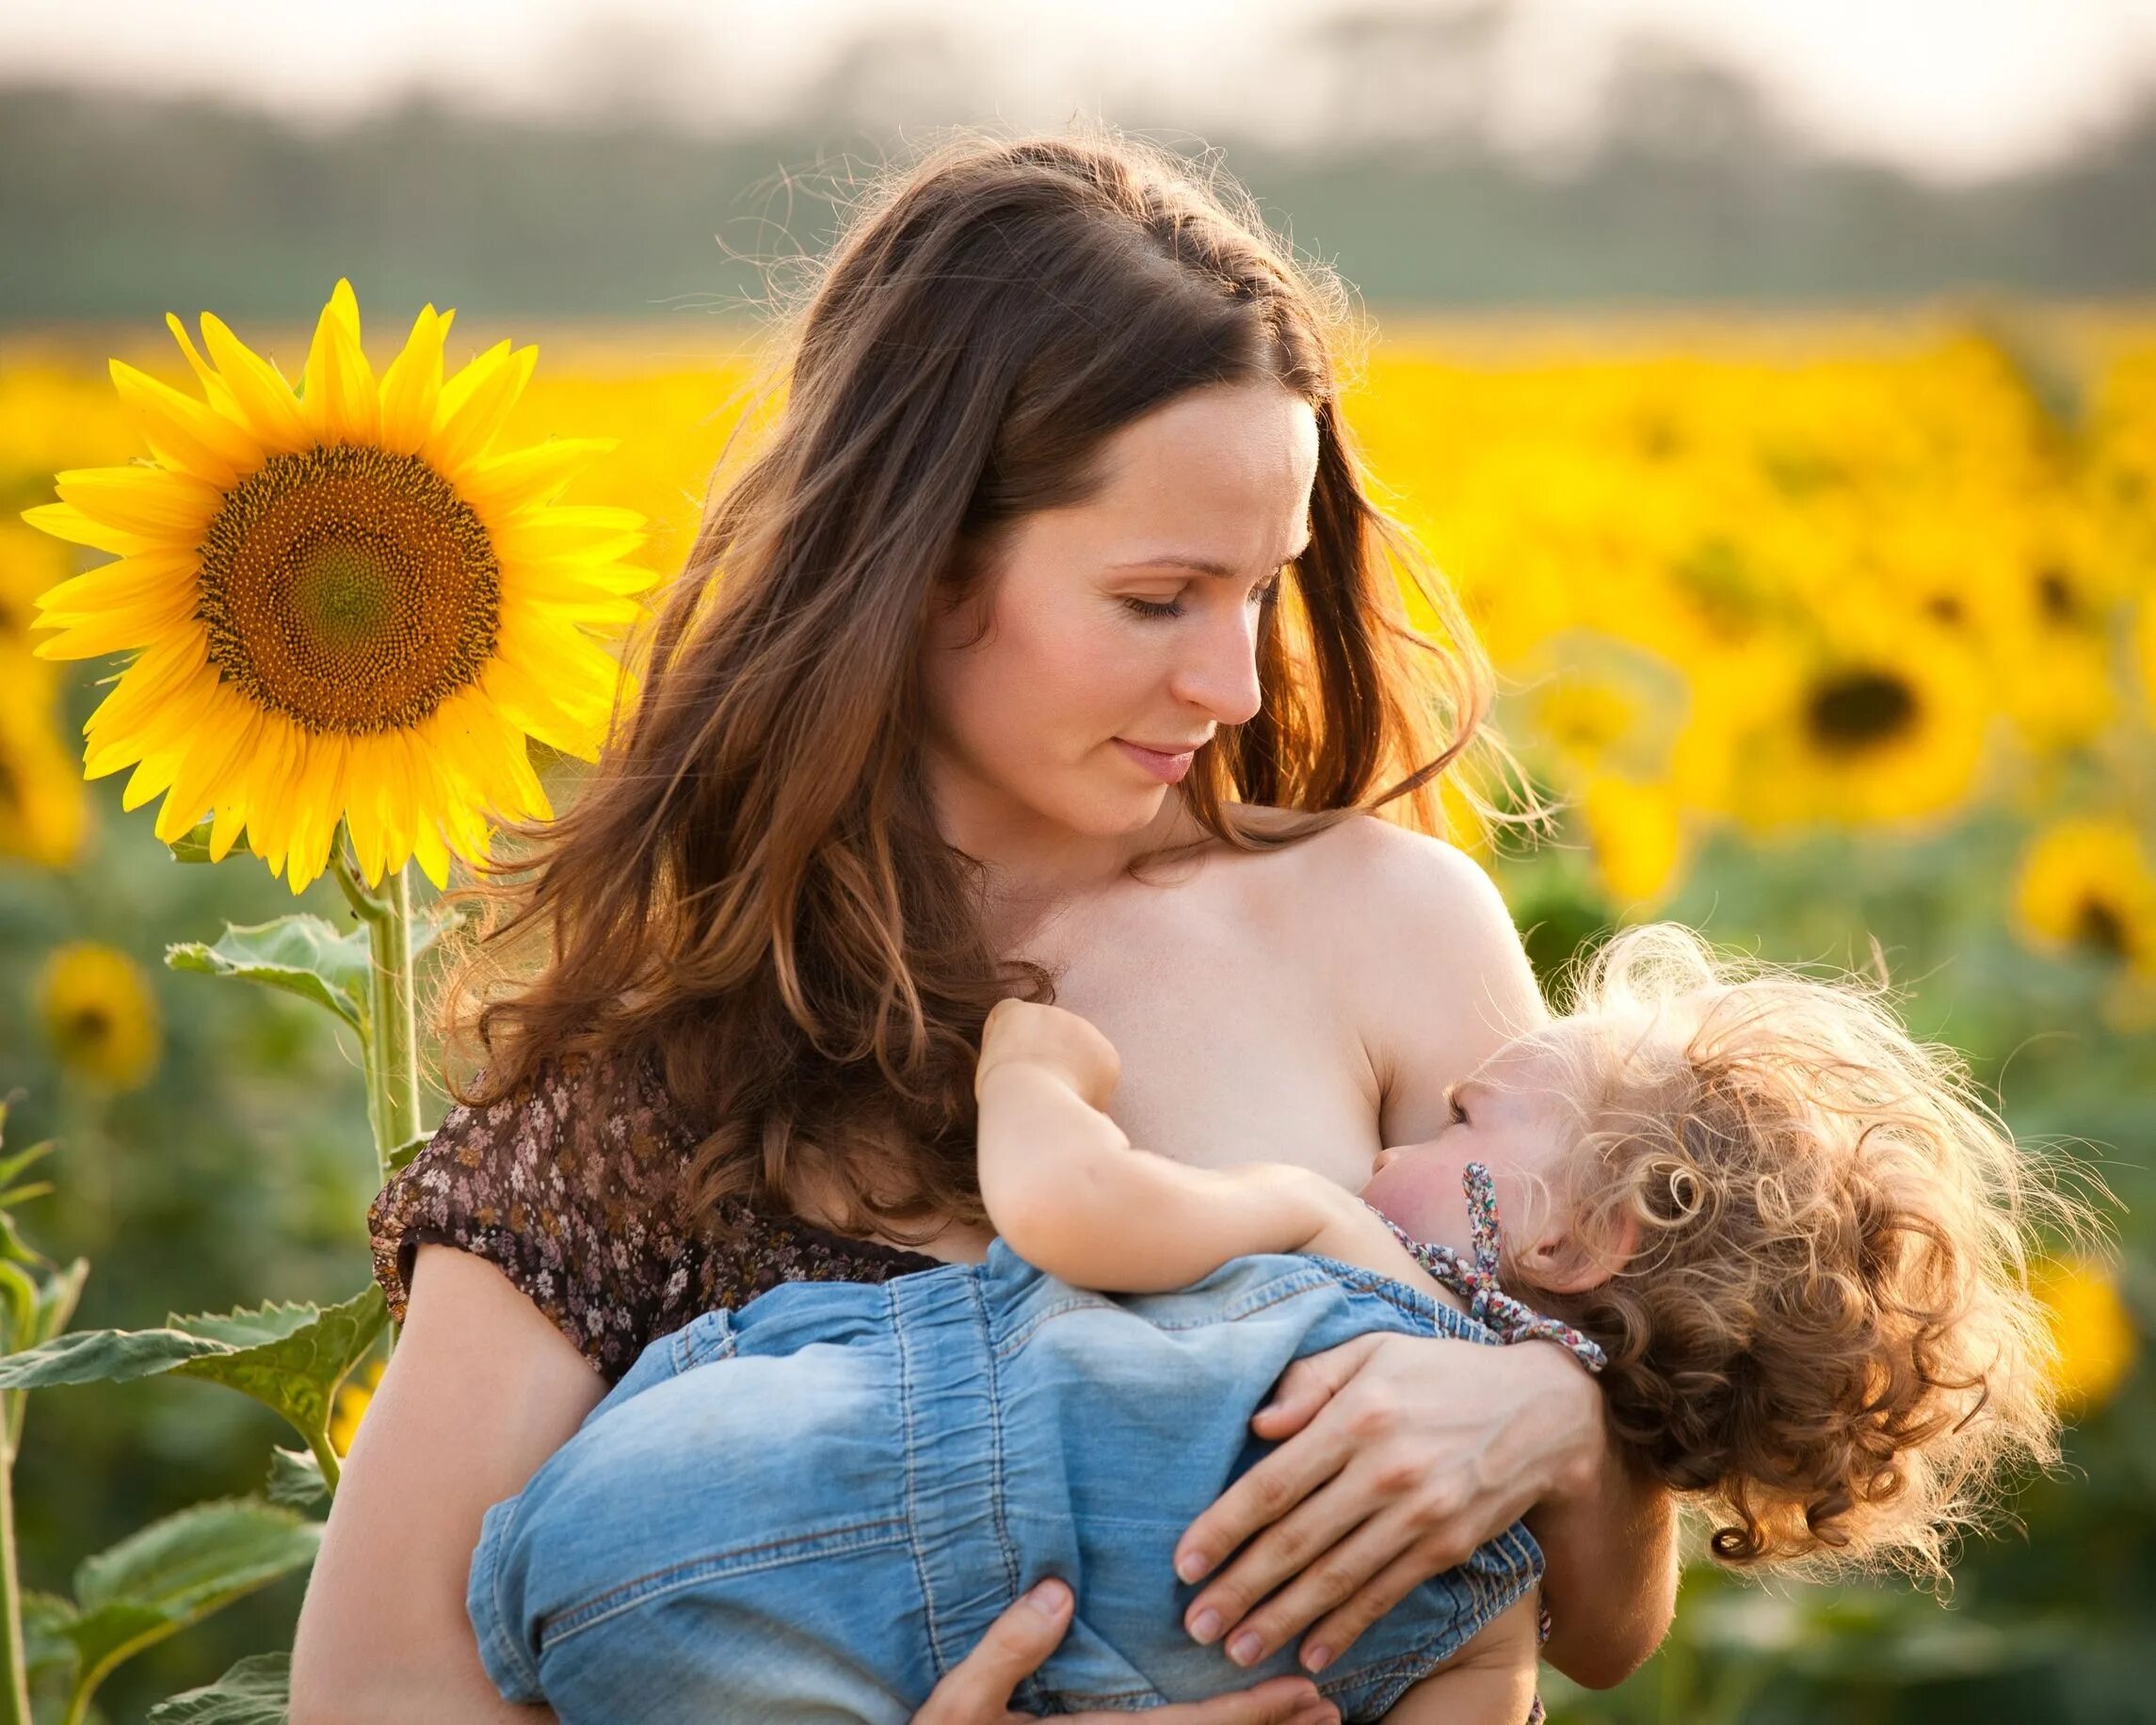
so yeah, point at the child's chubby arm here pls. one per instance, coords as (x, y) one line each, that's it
(1070, 1194)
(1488, 1682)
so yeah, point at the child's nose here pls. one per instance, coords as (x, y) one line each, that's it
(1383, 1157)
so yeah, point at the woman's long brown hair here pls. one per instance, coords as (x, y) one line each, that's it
(749, 888)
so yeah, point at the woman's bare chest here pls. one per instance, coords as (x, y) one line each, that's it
(1237, 1043)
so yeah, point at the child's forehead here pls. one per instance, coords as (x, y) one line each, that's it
(1526, 1065)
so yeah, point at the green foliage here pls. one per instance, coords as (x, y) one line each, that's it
(251, 1693)
(290, 1358)
(161, 1578)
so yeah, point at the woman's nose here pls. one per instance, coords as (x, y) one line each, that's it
(1219, 673)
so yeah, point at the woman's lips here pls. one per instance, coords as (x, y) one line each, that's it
(1166, 767)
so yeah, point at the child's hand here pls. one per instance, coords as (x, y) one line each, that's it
(1066, 1044)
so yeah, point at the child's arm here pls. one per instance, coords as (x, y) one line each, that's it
(1488, 1682)
(1071, 1195)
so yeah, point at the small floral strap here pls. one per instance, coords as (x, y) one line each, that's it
(1512, 1320)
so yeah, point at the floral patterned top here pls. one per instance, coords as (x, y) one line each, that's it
(571, 1187)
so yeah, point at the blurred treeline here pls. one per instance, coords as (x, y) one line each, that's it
(115, 206)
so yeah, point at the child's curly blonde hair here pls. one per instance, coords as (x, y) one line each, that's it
(1825, 1332)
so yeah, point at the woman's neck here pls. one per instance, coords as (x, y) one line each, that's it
(1036, 872)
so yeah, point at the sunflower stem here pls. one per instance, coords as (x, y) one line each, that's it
(14, 1663)
(389, 1047)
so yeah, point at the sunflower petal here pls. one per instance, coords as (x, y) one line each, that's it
(184, 432)
(432, 856)
(466, 421)
(214, 387)
(259, 388)
(155, 503)
(91, 633)
(411, 388)
(340, 402)
(64, 521)
(141, 579)
(213, 756)
(526, 479)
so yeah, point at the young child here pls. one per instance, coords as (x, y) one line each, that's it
(1794, 1238)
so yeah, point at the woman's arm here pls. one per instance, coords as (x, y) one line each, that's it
(482, 1388)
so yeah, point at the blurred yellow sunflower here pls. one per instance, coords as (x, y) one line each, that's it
(347, 604)
(1869, 730)
(99, 1014)
(43, 814)
(2085, 884)
(2094, 1330)
(353, 1397)
(1637, 834)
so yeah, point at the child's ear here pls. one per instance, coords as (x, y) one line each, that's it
(1563, 1263)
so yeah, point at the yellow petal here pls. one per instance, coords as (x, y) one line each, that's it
(206, 772)
(595, 533)
(259, 388)
(214, 387)
(119, 630)
(526, 479)
(142, 579)
(468, 416)
(339, 403)
(411, 388)
(184, 432)
(64, 521)
(157, 504)
(432, 856)
(226, 824)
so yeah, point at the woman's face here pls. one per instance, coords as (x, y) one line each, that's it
(1122, 631)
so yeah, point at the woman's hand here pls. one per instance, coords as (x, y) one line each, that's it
(976, 1690)
(1398, 1461)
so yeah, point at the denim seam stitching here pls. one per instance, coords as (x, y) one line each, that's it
(912, 1516)
(1281, 1289)
(512, 1647)
(562, 1625)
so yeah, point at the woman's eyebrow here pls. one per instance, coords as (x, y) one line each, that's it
(1204, 565)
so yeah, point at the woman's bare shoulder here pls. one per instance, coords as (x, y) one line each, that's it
(1377, 867)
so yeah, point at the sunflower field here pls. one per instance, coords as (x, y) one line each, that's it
(1820, 632)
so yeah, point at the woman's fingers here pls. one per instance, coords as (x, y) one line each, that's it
(1365, 1575)
(976, 1690)
(1278, 1700)
(1286, 1476)
(1307, 1385)
(1333, 1634)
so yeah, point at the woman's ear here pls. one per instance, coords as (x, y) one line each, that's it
(1560, 1262)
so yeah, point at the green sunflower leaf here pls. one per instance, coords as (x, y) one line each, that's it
(193, 845)
(290, 1358)
(294, 1479)
(304, 955)
(45, 1620)
(256, 1691)
(176, 1572)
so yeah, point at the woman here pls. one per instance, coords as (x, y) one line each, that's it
(978, 686)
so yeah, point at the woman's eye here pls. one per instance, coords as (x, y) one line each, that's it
(1150, 608)
(1459, 1114)
(1269, 593)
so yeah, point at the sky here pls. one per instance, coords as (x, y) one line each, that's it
(1949, 90)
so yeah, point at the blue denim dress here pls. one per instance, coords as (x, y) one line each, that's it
(812, 1507)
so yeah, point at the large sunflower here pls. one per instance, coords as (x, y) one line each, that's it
(346, 604)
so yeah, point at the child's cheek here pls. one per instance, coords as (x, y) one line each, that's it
(1422, 1193)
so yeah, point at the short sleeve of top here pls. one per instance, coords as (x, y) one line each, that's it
(572, 1187)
